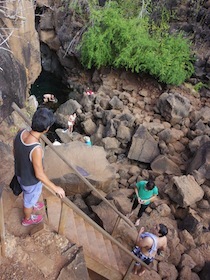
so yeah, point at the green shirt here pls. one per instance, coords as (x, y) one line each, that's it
(145, 194)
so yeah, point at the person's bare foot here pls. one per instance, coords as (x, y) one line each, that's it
(141, 273)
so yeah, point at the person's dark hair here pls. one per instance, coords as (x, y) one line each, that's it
(150, 185)
(163, 230)
(42, 119)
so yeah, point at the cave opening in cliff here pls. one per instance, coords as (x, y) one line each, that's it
(48, 82)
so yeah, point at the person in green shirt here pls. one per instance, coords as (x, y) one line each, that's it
(145, 193)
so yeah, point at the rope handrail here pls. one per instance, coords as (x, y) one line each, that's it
(71, 205)
(74, 207)
(48, 142)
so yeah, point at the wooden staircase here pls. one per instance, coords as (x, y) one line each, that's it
(101, 255)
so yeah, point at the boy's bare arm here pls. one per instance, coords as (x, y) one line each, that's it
(139, 234)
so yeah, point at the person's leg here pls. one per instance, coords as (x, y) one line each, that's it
(30, 197)
(141, 271)
(141, 211)
(135, 269)
(27, 212)
(135, 204)
(70, 128)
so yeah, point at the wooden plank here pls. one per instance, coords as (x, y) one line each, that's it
(102, 269)
(63, 218)
(82, 234)
(102, 247)
(93, 243)
(111, 254)
(71, 228)
(122, 266)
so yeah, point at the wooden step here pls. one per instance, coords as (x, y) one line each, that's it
(82, 234)
(101, 255)
(102, 247)
(106, 271)
(119, 258)
(71, 228)
(111, 254)
(95, 252)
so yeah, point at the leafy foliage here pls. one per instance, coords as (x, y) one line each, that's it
(136, 43)
(201, 85)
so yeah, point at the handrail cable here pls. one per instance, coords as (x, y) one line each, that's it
(70, 204)
(48, 142)
(74, 207)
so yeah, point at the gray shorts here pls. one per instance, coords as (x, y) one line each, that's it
(31, 194)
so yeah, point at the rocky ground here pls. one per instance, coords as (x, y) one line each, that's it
(188, 223)
(188, 218)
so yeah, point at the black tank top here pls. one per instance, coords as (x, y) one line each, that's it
(23, 165)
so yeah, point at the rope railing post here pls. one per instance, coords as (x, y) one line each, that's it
(70, 204)
(130, 268)
(63, 216)
(48, 142)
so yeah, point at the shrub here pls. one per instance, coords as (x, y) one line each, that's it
(136, 44)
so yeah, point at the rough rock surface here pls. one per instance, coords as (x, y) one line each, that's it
(90, 161)
(122, 103)
(21, 54)
(184, 190)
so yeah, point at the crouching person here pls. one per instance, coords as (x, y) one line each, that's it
(148, 244)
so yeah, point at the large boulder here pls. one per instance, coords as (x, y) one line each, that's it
(91, 162)
(184, 190)
(162, 164)
(174, 107)
(144, 147)
(201, 162)
(65, 110)
(167, 271)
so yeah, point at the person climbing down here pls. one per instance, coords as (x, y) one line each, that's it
(145, 193)
(148, 244)
(28, 155)
(71, 122)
